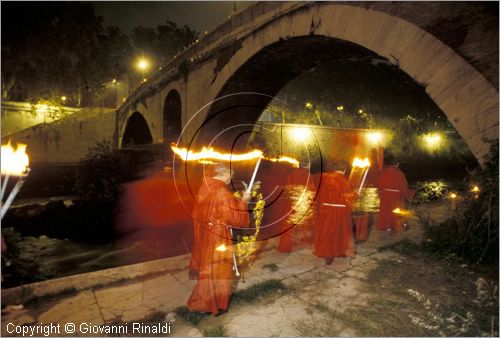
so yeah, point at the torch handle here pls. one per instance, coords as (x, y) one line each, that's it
(11, 197)
(235, 265)
(249, 188)
(4, 186)
(363, 180)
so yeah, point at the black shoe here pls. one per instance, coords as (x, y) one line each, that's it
(329, 261)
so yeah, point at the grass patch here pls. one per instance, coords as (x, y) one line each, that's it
(216, 331)
(271, 267)
(258, 291)
(155, 317)
(190, 316)
(37, 300)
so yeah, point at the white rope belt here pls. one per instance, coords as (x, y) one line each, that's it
(392, 190)
(334, 205)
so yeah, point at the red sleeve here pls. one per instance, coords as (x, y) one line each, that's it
(229, 210)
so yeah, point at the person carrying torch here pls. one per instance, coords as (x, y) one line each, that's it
(216, 210)
(394, 192)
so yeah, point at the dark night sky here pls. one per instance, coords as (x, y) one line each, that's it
(198, 15)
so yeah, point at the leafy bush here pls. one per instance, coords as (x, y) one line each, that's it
(430, 191)
(101, 173)
(472, 232)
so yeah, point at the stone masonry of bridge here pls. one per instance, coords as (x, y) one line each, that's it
(452, 52)
(449, 48)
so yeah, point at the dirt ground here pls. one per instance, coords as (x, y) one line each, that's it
(378, 293)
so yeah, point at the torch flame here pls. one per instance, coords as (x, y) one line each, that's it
(357, 162)
(210, 153)
(221, 248)
(14, 162)
(206, 154)
(402, 212)
(285, 159)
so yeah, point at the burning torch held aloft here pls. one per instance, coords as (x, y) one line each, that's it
(14, 163)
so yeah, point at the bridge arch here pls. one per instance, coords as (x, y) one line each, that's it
(136, 131)
(172, 117)
(263, 62)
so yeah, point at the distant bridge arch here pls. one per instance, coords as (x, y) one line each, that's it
(137, 131)
(172, 117)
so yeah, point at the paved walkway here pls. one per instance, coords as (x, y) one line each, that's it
(131, 293)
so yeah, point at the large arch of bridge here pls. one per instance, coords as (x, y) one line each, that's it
(282, 49)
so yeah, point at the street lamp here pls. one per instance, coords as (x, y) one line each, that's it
(143, 66)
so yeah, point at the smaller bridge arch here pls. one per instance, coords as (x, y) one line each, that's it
(137, 131)
(171, 118)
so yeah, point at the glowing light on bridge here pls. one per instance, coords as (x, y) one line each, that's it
(375, 137)
(301, 133)
(143, 64)
(432, 141)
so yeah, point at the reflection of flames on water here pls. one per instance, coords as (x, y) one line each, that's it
(302, 204)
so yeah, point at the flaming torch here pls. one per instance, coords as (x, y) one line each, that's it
(14, 163)
(364, 165)
(208, 153)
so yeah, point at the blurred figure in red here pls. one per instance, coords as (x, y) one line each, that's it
(333, 235)
(299, 192)
(216, 210)
(393, 190)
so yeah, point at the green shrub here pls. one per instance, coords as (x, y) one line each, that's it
(104, 169)
(430, 191)
(99, 175)
(472, 232)
(216, 331)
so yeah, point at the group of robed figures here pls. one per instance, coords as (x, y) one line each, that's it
(217, 212)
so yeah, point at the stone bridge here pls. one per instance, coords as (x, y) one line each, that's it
(216, 89)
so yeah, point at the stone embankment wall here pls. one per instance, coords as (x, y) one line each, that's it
(66, 140)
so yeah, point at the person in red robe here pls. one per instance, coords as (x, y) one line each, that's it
(393, 191)
(215, 211)
(298, 187)
(333, 235)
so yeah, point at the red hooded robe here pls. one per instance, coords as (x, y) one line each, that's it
(216, 209)
(393, 189)
(333, 236)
